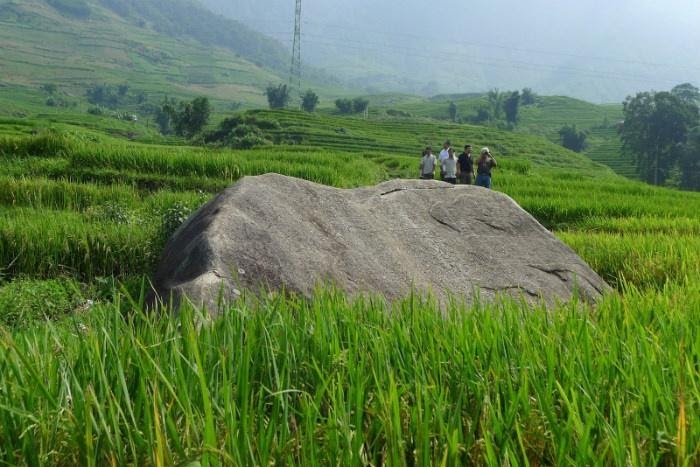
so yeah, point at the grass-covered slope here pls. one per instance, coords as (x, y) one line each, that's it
(88, 378)
(157, 47)
(544, 118)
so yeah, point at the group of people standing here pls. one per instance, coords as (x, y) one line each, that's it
(458, 168)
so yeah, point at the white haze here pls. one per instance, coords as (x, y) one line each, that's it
(598, 50)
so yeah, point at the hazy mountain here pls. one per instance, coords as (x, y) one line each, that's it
(597, 50)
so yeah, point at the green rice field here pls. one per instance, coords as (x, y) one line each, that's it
(88, 377)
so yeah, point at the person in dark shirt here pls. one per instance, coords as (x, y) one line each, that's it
(485, 163)
(465, 166)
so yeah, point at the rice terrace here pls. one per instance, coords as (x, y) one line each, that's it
(119, 120)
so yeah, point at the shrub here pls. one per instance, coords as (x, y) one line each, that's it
(344, 106)
(277, 96)
(309, 101)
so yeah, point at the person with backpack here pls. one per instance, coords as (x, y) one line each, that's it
(485, 163)
(465, 166)
(427, 164)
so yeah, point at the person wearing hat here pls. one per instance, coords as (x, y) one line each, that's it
(484, 164)
(444, 154)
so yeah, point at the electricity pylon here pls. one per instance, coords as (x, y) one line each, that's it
(295, 72)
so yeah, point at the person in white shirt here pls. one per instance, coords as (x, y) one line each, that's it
(449, 167)
(427, 164)
(444, 154)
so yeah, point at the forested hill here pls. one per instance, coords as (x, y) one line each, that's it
(185, 19)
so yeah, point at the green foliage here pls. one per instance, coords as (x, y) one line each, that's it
(687, 93)
(278, 96)
(309, 101)
(242, 132)
(511, 106)
(183, 118)
(452, 110)
(360, 105)
(344, 106)
(25, 302)
(655, 124)
(528, 97)
(689, 161)
(333, 381)
(572, 138)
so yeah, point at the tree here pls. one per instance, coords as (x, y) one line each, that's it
(495, 99)
(655, 124)
(511, 106)
(344, 106)
(359, 105)
(277, 96)
(483, 115)
(452, 109)
(572, 139)
(689, 161)
(527, 97)
(122, 89)
(194, 116)
(309, 101)
(183, 118)
(687, 93)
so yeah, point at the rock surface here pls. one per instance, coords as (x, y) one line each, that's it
(272, 231)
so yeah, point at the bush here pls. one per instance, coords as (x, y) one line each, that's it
(277, 96)
(309, 101)
(572, 139)
(359, 105)
(344, 106)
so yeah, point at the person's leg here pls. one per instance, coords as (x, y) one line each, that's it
(487, 182)
(470, 179)
(480, 180)
(453, 181)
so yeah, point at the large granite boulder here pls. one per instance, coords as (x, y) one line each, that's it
(272, 232)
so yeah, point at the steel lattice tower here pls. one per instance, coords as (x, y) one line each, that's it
(295, 72)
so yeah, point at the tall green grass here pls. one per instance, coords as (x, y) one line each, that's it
(334, 382)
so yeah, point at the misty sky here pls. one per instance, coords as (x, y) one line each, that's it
(594, 49)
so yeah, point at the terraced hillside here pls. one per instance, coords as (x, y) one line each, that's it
(409, 137)
(171, 48)
(605, 147)
(545, 118)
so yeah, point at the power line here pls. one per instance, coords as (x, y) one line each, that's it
(494, 46)
(519, 65)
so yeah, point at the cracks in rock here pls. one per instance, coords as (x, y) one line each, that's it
(446, 224)
(511, 287)
(560, 273)
(493, 226)
(396, 190)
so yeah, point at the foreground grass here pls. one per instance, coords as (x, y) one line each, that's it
(335, 382)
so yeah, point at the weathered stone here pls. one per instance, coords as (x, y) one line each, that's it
(272, 231)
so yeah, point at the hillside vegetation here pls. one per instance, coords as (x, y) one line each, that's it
(544, 118)
(157, 47)
(87, 377)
